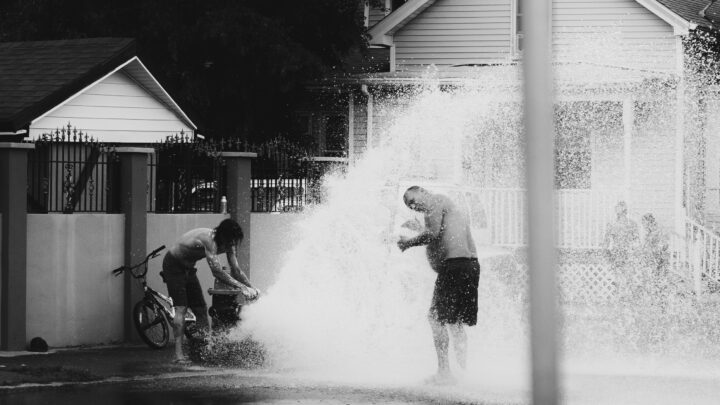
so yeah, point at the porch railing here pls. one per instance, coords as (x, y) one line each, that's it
(696, 255)
(581, 216)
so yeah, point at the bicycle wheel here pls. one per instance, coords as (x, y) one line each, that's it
(151, 324)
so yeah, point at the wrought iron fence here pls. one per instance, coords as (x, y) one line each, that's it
(284, 178)
(69, 171)
(185, 175)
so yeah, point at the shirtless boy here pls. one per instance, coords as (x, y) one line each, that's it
(452, 254)
(180, 274)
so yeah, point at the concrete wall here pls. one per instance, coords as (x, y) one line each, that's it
(72, 297)
(272, 239)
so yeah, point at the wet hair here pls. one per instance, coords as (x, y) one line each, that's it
(228, 231)
(411, 189)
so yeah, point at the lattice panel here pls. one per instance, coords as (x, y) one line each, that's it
(586, 282)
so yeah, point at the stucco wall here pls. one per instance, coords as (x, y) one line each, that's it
(272, 239)
(72, 298)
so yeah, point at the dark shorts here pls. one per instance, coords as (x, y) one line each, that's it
(455, 299)
(182, 283)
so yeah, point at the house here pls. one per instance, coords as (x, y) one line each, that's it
(98, 85)
(632, 122)
(81, 93)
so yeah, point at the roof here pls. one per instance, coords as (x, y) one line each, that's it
(683, 15)
(37, 77)
(689, 10)
(381, 32)
(569, 77)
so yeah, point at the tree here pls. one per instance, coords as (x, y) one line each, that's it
(236, 66)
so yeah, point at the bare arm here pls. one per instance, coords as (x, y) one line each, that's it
(433, 226)
(235, 270)
(216, 266)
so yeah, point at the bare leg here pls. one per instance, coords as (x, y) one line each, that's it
(459, 338)
(179, 331)
(441, 339)
(201, 313)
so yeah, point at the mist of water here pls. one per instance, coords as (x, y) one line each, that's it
(349, 305)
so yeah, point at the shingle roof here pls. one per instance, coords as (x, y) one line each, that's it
(690, 9)
(36, 76)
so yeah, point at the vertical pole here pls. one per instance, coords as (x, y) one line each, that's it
(239, 198)
(538, 79)
(133, 202)
(13, 244)
(351, 128)
(680, 212)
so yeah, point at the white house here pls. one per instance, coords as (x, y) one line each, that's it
(98, 85)
(648, 135)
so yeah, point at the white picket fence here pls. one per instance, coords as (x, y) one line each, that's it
(581, 215)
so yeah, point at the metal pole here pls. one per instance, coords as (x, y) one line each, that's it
(538, 79)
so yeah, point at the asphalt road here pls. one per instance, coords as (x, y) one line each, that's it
(229, 388)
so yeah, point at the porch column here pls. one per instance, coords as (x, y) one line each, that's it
(133, 194)
(239, 198)
(680, 212)
(351, 128)
(13, 244)
(628, 129)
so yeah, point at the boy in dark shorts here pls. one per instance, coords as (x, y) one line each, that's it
(452, 254)
(180, 274)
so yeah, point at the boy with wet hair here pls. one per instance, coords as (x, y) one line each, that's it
(180, 274)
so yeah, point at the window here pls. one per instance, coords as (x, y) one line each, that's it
(396, 4)
(335, 136)
(573, 156)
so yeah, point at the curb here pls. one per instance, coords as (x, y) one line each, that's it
(194, 372)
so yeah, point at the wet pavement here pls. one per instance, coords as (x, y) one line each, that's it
(136, 375)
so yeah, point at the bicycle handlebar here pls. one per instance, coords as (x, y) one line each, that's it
(155, 252)
(152, 254)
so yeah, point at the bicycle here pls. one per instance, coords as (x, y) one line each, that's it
(153, 314)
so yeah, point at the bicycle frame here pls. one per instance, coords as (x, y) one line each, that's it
(165, 302)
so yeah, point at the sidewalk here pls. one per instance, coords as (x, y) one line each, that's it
(86, 364)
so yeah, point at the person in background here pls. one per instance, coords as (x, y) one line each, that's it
(656, 254)
(620, 244)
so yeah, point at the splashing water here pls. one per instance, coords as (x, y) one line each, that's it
(348, 305)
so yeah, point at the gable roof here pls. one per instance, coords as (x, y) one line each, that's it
(689, 10)
(683, 15)
(37, 77)
(380, 33)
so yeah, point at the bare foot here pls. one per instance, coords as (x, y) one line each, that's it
(183, 361)
(442, 378)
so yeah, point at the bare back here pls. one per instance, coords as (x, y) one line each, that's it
(455, 238)
(193, 245)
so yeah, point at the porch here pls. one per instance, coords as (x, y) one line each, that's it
(581, 218)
